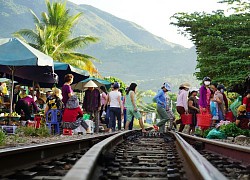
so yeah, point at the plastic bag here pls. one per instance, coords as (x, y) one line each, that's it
(86, 116)
(103, 114)
(235, 105)
(216, 134)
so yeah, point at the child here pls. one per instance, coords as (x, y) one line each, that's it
(214, 109)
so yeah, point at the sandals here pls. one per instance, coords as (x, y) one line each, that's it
(156, 128)
(143, 131)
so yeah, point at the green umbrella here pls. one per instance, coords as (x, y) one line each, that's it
(21, 60)
(99, 82)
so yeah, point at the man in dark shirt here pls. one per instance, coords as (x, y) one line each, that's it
(92, 102)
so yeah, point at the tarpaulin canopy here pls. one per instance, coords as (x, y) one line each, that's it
(20, 59)
(61, 69)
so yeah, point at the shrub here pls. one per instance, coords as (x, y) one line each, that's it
(43, 132)
(2, 138)
(231, 130)
(30, 131)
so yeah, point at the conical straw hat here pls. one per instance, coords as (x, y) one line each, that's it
(90, 84)
(186, 85)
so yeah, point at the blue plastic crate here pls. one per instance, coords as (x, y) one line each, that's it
(9, 129)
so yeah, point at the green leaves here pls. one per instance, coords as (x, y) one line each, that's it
(52, 35)
(231, 130)
(2, 138)
(222, 44)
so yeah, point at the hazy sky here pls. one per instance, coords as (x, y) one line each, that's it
(154, 15)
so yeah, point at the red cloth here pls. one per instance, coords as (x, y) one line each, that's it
(246, 101)
(243, 122)
(71, 115)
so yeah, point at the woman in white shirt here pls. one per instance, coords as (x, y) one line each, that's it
(115, 110)
(182, 102)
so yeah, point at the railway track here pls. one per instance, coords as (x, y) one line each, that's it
(230, 159)
(132, 155)
(45, 161)
(127, 155)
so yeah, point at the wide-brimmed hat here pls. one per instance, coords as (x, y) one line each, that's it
(47, 90)
(90, 84)
(207, 79)
(167, 86)
(185, 85)
(194, 90)
(116, 85)
(57, 92)
(241, 108)
(43, 98)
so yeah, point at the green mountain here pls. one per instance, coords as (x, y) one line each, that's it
(125, 49)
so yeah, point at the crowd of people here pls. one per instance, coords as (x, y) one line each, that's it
(110, 108)
(211, 101)
(106, 108)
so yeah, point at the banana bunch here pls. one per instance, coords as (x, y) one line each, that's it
(13, 114)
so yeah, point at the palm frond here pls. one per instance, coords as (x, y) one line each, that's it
(85, 56)
(80, 41)
(72, 20)
(30, 34)
(35, 18)
(45, 18)
(80, 62)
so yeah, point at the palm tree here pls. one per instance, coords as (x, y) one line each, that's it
(52, 35)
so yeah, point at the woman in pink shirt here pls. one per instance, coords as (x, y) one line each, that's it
(182, 102)
(104, 99)
(205, 93)
(25, 105)
(204, 99)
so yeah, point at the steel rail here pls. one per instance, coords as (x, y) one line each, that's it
(199, 165)
(84, 169)
(233, 151)
(15, 158)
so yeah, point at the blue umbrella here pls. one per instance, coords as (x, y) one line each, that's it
(19, 59)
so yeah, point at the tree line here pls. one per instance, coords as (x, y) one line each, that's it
(222, 43)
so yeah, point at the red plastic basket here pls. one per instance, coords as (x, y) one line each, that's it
(38, 119)
(186, 118)
(67, 132)
(31, 124)
(204, 120)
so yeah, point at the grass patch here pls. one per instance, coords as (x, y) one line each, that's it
(31, 131)
(2, 138)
